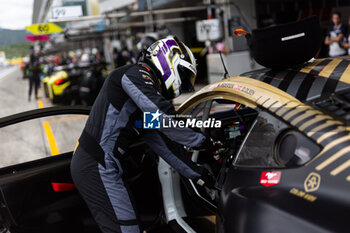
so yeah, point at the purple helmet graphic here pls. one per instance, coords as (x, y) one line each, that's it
(176, 65)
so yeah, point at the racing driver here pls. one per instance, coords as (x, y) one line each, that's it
(165, 69)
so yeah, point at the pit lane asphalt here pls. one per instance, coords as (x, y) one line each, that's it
(37, 138)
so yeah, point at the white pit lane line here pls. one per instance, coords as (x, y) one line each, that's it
(4, 72)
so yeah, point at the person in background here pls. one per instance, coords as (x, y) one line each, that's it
(335, 37)
(34, 74)
(346, 45)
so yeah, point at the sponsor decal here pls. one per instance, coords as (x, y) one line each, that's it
(238, 87)
(312, 182)
(302, 194)
(270, 178)
(244, 89)
(145, 72)
(157, 120)
(147, 77)
(227, 85)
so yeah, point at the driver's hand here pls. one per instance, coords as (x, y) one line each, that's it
(206, 179)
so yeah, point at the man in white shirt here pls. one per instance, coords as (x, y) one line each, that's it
(346, 45)
(336, 36)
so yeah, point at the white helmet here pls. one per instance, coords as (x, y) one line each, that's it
(175, 64)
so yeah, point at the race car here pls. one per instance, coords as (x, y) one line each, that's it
(66, 85)
(288, 168)
(283, 167)
(55, 84)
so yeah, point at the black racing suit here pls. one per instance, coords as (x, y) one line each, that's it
(96, 170)
(34, 78)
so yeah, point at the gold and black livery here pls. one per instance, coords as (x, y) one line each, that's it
(310, 104)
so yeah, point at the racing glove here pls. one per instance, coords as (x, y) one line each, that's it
(206, 179)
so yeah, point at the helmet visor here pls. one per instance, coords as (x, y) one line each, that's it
(187, 79)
